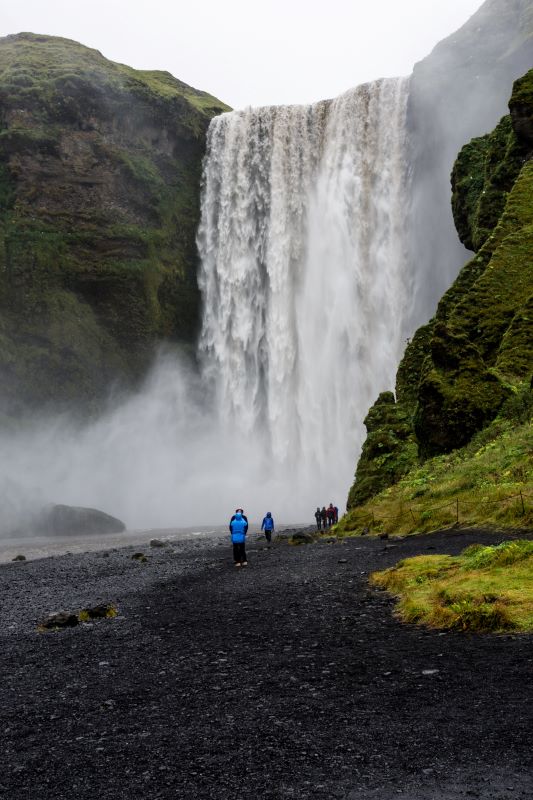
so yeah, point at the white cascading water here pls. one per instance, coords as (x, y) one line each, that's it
(304, 278)
(305, 289)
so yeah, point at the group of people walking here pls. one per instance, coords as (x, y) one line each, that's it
(238, 527)
(326, 517)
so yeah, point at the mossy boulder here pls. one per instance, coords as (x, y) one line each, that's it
(100, 170)
(483, 175)
(389, 450)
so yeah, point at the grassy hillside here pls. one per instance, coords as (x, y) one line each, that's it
(479, 484)
(100, 170)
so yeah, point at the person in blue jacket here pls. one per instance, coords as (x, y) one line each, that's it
(268, 526)
(238, 527)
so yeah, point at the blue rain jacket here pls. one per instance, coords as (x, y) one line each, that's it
(268, 524)
(238, 527)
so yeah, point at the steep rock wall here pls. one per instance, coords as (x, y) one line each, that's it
(100, 171)
(458, 92)
(460, 368)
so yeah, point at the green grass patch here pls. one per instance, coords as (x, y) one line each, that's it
(483, 480)
(484, 589)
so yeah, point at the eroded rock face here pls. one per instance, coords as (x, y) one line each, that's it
(99, 194)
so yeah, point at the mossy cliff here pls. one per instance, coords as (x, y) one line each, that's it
(476, 354)
(459, 91)
(100, 170)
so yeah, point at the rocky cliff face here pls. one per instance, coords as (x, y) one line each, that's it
(100, 171)
(477, 351)
(458, 92)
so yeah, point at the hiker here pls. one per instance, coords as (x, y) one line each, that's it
(324, 515)
(238, 527)
(331, 515)
(336, 510)
(318, 517)
(268, 526)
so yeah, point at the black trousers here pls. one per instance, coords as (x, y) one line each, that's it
(239, 553)
(268, 535)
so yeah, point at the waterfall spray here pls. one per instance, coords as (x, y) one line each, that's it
(304, 275)
(305, 287)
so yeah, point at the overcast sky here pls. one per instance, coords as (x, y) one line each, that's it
(251, 52)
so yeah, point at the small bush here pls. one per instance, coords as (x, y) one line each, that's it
(478, 557)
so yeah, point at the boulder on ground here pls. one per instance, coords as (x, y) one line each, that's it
(60, 619)
(158, 543)
(71, 520)
(302, 537)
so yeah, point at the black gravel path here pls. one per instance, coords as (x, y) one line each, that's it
(288, 679)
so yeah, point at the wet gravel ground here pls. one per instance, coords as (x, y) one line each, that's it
(287, 679)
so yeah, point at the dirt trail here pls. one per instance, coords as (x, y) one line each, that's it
(288, 679)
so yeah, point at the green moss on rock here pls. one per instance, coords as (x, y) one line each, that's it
(100, 171)
(468, 365)
(389, 450)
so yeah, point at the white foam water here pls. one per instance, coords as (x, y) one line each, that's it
(304, 276)
(305, 288)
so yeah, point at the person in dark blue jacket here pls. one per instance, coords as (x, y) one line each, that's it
(268, 526)
(238, 527)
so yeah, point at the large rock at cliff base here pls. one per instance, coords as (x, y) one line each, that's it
(60, 520)
(100, 169)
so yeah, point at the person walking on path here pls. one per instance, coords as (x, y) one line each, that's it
(238, 527)
(268, 526)
(331, 515)
(318, 517)
(324, 515)
(336, 519)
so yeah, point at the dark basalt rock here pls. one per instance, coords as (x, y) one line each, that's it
(302, 537)
(58, 620)
(60, 520)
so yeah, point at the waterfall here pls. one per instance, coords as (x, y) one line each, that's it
(304, 278)
(305, 289)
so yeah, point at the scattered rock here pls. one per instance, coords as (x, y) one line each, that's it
(158, 543)
(139, 557)
(301, 537)
(19, 557)
(101, 611)
(69, 619)
(59, 619)
(383, 535)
